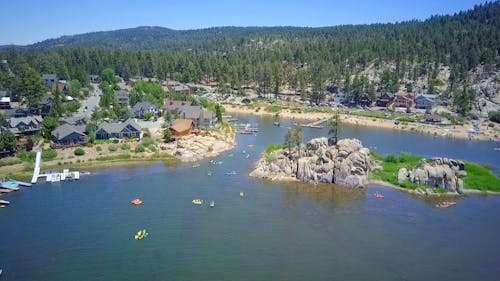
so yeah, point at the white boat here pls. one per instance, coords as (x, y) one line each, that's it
(4, 202)
(230, 173)
(212, 204)
(242, 194)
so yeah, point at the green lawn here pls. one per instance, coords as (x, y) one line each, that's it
(480, 177)
(391, 164)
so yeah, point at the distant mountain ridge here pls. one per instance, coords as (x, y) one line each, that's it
(161, 38)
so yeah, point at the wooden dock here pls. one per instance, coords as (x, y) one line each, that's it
(316, 124)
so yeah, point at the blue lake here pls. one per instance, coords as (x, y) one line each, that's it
(84, 230)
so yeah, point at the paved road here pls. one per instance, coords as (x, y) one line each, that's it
(88, 105)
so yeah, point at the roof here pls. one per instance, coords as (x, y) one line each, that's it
(425, 96)
(181, 87)
(14, 121)
(122, 94)
(194, 112)
(116, 127)
(64, 130)
(144, 106)
(49, 77)
(73, 120)
(181, 125)
(5, 99)
(389, 94)
(174, 104)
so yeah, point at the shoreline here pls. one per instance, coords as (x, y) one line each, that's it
(413, 191)
(453, 132)
(191, 147)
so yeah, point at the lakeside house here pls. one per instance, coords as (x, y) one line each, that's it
(118, 130)
(200, 116)
(62, 86)
(67, 135)
(143, 107)
(4, 100)
(403, 100)
(424, 101)
(123, 97)
(50, 80)
(47, 104)
(182, 127)
(365, 100)
(385, 99)
(25, 126)
(181, 89)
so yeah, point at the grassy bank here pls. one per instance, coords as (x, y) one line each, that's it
(24, 172)
(478, 177)
(273, 147)
(390, 166)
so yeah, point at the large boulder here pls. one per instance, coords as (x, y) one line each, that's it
(436, 172)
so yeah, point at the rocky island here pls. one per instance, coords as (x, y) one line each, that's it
(319, 161)
(350, 164)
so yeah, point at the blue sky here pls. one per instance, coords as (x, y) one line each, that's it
(29, 21)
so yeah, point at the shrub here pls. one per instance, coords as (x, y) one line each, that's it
(152, 148)
(27, 156)
(98, 148)
(79, 151)
(391, 158)
(148, 141)
(112, 148)
(494, 116)
(125, 146)
(491, 125)
(49, 154)
(140, 148)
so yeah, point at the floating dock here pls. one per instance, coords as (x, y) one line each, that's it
(51, 176)
(21, 183)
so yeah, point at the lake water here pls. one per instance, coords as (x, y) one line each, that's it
(84, 230)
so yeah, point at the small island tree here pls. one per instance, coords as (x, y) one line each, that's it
(218, 113)
(294, 137)
(334, 128)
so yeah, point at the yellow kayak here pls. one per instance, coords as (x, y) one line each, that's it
(197, 201)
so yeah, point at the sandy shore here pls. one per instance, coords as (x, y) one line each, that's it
(454, 132)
